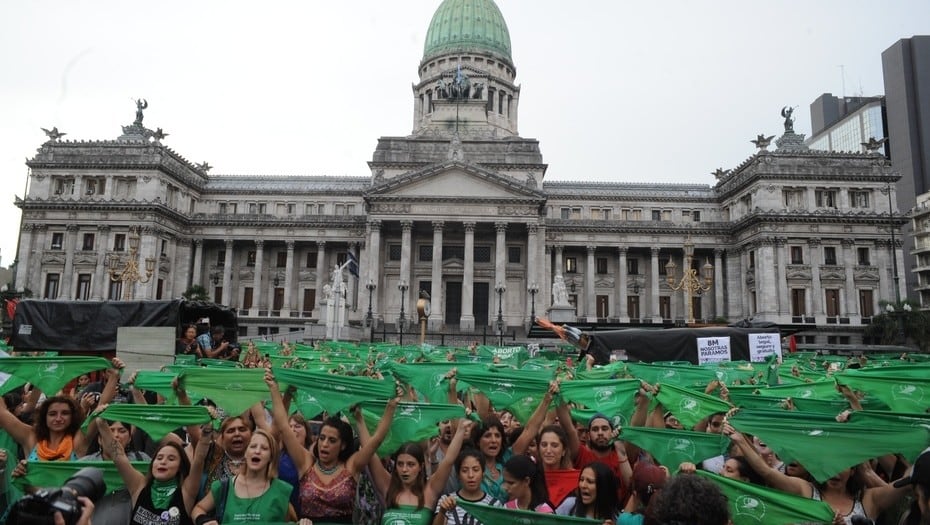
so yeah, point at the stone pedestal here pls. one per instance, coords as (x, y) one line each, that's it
(562, 314)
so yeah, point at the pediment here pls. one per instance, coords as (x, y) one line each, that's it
(454, 180)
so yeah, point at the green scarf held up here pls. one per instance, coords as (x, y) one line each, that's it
(412, 421)
(690, 407)
(12, 383)
(335, 393)
(902, 388)
(610, 396)
(825, 447)
(428, 379)
(673, 447)
(56, 473)
(509, 388)
(234, 390)
(156, 420)
(823, 390)
(51, 374)
(676, 375)
(160, 382)
(752, 504)
(503, 516)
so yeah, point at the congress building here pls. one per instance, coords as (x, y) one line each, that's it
(461, 208)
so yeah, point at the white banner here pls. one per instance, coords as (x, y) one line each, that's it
(713, 349)
(763, 345)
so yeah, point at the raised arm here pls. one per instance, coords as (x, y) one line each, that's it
(191, 485)
(294, 447)
(772, 476)
(437, 481)
(641, 412)
(379, 475)
(19, 431)
(876, 500)
(361, 457)
(535, 422)
(134, 480)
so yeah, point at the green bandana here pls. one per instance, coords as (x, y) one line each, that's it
(234, 390)
(673, 447)
(752, 504)
(610, 396)
(824, 390)
(507, 388)
(11, 384)
(55, 473)
(156, 420)
(162, 492)
(825, 447)
(511, 355)
(157, 382)
(334, 393)
(677, 375)
(902, 388)
(412, 421)
(502, 516)
(689, 406)
(428, 379)
(609, 371)
(51, 374)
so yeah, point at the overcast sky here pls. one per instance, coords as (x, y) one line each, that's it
(662, 91)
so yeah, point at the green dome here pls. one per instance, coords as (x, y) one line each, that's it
(467, 25)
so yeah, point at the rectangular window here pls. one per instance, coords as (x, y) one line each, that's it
(341, 258)
(632, 306)
(696, 216)
(665, 307)
(696, 305)
(657, 215)
(51, 285)
(218, 294)
(278, 302)
(794, 199)
(311, 259)
(858, 199)
(637, 215)
(250, 259)
(829, 255)
(64, 186)
(119, 242)
(309, 209)
(57, 240)
(662, 262)
(83, 287)
(291, 208)
(309, 300)
(394, 252)
(482, 254)
(752, 259)
(632, 266)
(797, 255)
(832, 299)
(247, 297)
(571, 265)
(253, 207)
(862, 255)
(798, 302)
(825, 198)
(350, 209)
(221, 258)
(514, 254)
(666, 215)
(164, 247)
(601, 267)
(866, 303)
(425, 252)
(281, 259)
(571, 213)
(602, 303)
(88, 244)
(453, 252)
(159, 289)
(115, 292)
(600, 214)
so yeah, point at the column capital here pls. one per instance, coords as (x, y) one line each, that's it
(320, 245)
(103, 228)
(28, 227)
(654, 250)
(151, 230)
(229, 243)
(718, 252)
(469, 227)
(71, 228)
(374, 224)
(406, 226)
(590, 249)
(622, 251)
(438, 226)
(260, 243)
(548, 249)
(198, 242)
(40, 227)
(290, 245)
(532, 228)
(848, 243)
(780, 241)
(558, 248)
(814, 241)
(500, 227)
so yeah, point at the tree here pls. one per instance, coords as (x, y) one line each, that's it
(896, 318)
(196, 293)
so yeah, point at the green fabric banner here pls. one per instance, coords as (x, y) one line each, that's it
(51, 374)
(489, 515)
(232, 389)
(610, 396)
(903, 388)
(673, 447)
(335, 393)
(11, 384)
(156, 420)
(509, 388)
(427, 378)
(616, 369)
(825, 390)
(159, 382)
(689, 406)
(511, 355)
(676, 375)
(54, 474)
(825, 447)
(752, 504)
(412, 421)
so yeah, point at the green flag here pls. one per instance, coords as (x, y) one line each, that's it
(334, 393)
(673, 447)
(489, 515)
(156, 420)
(412, 421)
(902, 388)
(689, 406)
(752, 504)
(232, 389)
(610, 396)
(52, 474)
(51, 374)
(825, 447)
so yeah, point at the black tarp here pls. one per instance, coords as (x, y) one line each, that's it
(90, 326)
(673, 344)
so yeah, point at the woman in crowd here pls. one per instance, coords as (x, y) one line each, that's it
(489, 438)
(187, 343)
(122, 434)
(329, 472)
(287, 470)
(227, 452)
(525, 486)
(253, 495)
(648, 480)
(469, 468)
(170, 488)
(595, 496)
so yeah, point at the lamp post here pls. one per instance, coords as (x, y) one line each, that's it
(690, 281)
(533, 290)
(371, 288)
(402, 286)
(500, 289)
(128, 272)
(894, 252)
(899, 316)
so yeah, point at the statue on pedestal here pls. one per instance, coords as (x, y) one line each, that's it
(559, 292)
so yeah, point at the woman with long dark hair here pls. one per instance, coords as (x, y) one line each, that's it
(596, 495)
(525, 486)
(469, 467)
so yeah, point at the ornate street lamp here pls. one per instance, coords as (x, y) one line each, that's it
(402, 286)
(533, 290)
(371, 288)
(690, 281)
(899, 316)
(500, 289)
(127, 272)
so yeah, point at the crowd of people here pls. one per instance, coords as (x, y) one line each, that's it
(544, 452)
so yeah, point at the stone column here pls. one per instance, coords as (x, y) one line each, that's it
(436, 300)
(784, 296)
(735, 284)
(467, 323)
(66, 291)
(744, 287)
(227, 275)
(182, 264)
(288, 280)
(622, 285)
(148, 248)
(23, 259)
(100, 275)
(321, 274)
(257, 296)
(849, 261)
(559, 263)
(654, 286)
(902, 281)
(196, 277)
(816, 293)
(500, 260)
(374, 265)
(532, 268)
(766, 291)
(719, 285)
(34, 271)
(406, 250)
(352, 282)
(883, 263)
(590, 298)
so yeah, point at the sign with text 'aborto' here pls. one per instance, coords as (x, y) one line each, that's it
(763, 345)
